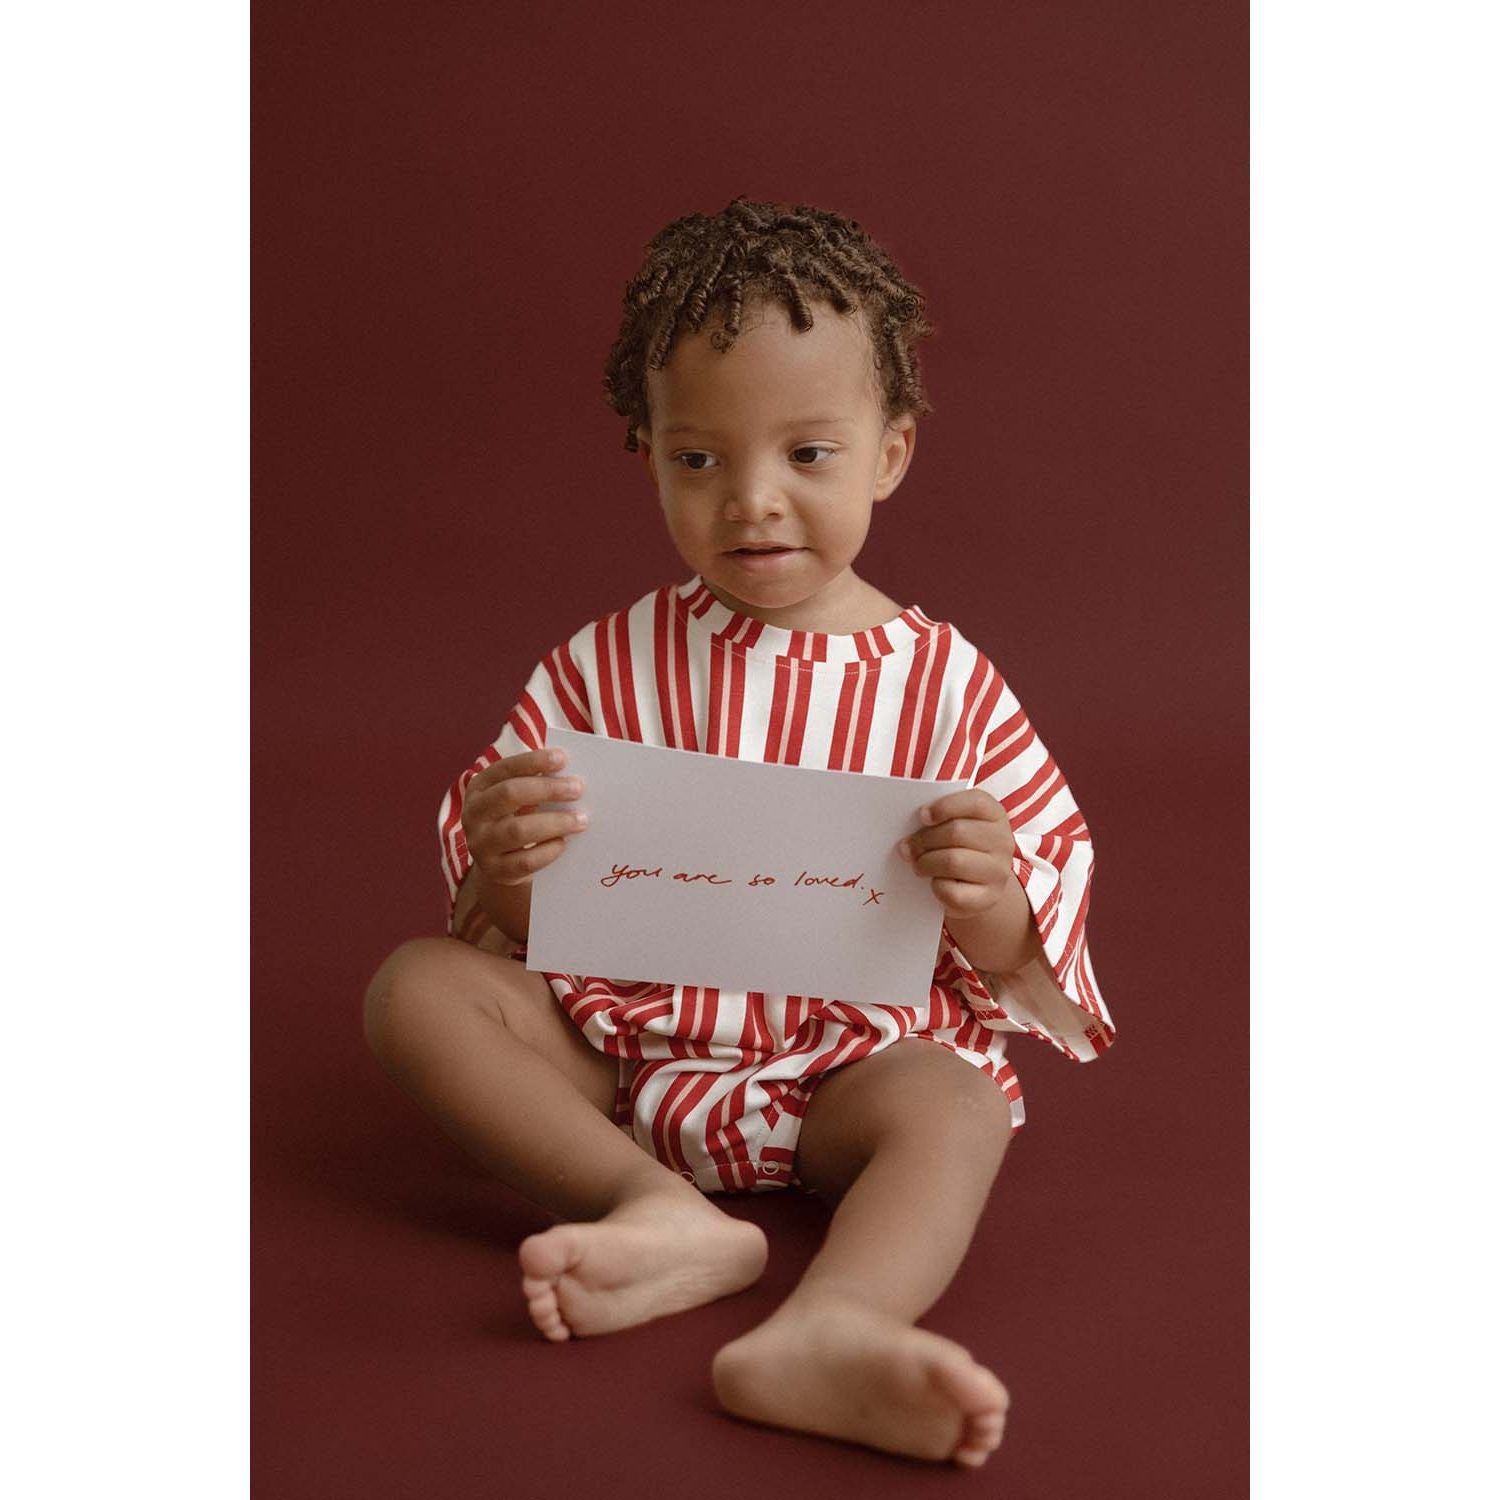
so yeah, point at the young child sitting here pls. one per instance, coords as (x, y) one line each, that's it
(766, 370)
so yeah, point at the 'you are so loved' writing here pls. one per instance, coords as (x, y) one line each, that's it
(621, 873)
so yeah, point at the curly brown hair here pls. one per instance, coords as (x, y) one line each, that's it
(753, 253)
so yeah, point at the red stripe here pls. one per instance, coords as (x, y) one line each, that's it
(455, 846)
(916, 673)
(662, 1149)
(735, 708)
(776, 723)
(981, 684)
(661, 649)
(762, 1038)
(452, 812)
(717, 673)
(792, 1015)
(869, 681)
(963, 731)
(999, 758)
(573, 700)
(1072, 827)
(710, 1019)
(687, 1012)
(1075, 933)
(685, 705)
(703, 1082)
(604, 667)
(1027, 801)
(847, 692)
(1087, 987)
(727, 1142)
(730, 1160)
(573, 676)
(803, 684)
(939, 651)
(528, 723)
(755, 1037)
(968, 768)
(627, 676)
(856, 1043)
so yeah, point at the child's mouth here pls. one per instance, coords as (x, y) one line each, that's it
(763, 559)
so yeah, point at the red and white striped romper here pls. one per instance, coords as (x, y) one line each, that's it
(712, 1082)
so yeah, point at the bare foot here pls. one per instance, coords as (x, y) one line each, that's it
(652, 1256)
(838, 1369)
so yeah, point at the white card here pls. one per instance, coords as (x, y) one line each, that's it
(705, 870)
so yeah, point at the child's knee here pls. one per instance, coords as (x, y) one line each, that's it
(931, 1087)
(417, 977)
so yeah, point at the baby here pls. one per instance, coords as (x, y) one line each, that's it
(766, 370)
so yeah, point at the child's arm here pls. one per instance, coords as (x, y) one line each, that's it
(509, 841)
(1017, 836)
(492, 908)
(967, 850)
(481, 906)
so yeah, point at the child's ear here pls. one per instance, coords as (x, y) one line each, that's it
(643, 442)
(897, 444)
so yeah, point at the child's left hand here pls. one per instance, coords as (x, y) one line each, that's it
(965, 848)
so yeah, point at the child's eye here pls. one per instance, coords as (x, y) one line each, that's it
(687, 460)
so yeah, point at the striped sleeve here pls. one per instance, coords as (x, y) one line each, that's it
(555, 693)
(1057, 999)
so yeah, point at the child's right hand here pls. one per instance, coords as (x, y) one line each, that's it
(499, 817)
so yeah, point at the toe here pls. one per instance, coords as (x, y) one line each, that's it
(976, 1390)
(983, 1401)
(545, 1314)
(980, 1438)
(542, 1304)
(549, 1254)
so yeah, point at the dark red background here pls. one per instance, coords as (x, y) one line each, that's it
(448, 201)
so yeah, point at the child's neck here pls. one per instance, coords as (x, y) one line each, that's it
(863, 608)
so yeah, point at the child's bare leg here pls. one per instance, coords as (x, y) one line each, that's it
(907, 1143)
(482, 1045)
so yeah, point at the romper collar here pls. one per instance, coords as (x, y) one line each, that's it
(705, 611)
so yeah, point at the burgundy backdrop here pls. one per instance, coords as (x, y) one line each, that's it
(449, 199)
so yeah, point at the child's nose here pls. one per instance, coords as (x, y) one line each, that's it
(752, 499)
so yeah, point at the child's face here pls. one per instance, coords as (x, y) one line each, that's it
(780, 440)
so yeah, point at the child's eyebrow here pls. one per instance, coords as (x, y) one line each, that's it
(677, 427)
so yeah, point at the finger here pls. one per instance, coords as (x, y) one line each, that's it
(512, 833)
(961, 864)
(969, 803)
(535, 826)
(524, 763)
(520, 865)
(963, 895)
(967, 833)
(520, 792)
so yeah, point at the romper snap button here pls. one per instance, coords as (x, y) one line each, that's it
(687, 1176)
(770, 1168)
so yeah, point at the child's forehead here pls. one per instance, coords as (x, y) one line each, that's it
(772, 363)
